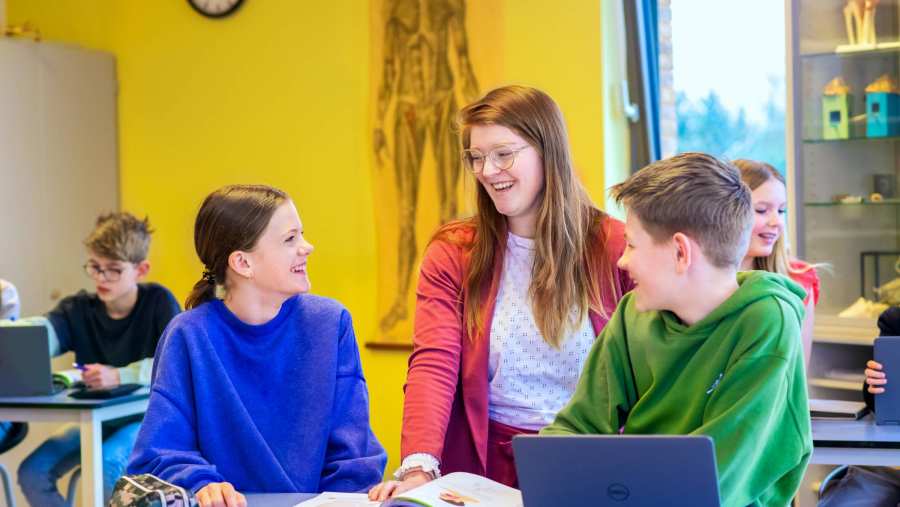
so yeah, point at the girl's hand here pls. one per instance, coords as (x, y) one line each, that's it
(100, 376)
(220, 494)
(875, 377)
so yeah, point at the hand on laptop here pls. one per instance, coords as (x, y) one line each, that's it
(390, 489)
(875, 377)
(220, 494)
(100, 376)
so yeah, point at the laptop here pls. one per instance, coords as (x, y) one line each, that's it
(616, 470)
(25, 368)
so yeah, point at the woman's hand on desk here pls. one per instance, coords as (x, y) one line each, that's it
(220, 494)
(99, 376)
(390, 489)
(875, 378)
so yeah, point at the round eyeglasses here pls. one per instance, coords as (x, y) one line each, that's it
(502, 157)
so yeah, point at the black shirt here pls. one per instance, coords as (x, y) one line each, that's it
(82, 325)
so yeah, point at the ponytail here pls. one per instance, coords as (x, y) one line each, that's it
(204, 290)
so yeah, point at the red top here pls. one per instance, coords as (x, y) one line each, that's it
(805, 275)
(445, 409)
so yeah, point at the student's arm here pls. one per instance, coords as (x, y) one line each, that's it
(354, 460)
(758, 414)
(606, 391)
(166, 445)
(59, 318)
(137, 372)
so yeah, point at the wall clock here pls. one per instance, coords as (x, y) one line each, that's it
(215, 8)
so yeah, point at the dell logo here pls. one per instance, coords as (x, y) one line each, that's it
(618, 492)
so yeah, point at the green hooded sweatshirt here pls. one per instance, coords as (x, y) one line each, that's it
(737, 376)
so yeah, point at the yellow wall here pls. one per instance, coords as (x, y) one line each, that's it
(279, 94)
(556, 46)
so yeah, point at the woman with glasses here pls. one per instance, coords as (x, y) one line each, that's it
(509, 301)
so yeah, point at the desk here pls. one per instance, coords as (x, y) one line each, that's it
(277, 499)
(89, 414)
(859, 442)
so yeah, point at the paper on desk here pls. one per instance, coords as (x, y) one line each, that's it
(339, 500)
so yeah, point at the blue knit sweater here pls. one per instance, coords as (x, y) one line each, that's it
(277, 407)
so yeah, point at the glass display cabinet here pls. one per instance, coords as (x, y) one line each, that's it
(843, 114)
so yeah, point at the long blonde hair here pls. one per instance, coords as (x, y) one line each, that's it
(755, 174)
(570, 257)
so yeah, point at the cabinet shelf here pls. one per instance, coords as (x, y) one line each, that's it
(839, 330)
(845, 51)
(820, 171)
(850, 140)
(833, 204)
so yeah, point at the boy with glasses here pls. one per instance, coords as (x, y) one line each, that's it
(113, 333)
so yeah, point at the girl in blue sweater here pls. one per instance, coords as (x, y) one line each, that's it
(261, 390)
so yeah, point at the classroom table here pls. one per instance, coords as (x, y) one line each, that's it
(89, 415)
(859, 442)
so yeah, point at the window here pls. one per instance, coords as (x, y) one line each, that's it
(722, 82)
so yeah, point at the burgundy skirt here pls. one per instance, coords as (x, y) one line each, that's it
(500, 464)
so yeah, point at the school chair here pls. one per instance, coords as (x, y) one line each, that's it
(835, 475)
(73, 485)
(17, 432)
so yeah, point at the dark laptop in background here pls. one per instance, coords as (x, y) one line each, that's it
(616, 470)
(25, 368)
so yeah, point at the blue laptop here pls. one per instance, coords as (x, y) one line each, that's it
(616, 470)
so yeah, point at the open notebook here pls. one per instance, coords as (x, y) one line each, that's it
(456, 489)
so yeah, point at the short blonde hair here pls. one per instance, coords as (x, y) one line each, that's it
(120, 236)
(698, 195)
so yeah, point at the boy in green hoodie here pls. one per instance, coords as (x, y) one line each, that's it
(697, 348)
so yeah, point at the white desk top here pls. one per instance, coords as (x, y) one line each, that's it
(64, 401)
